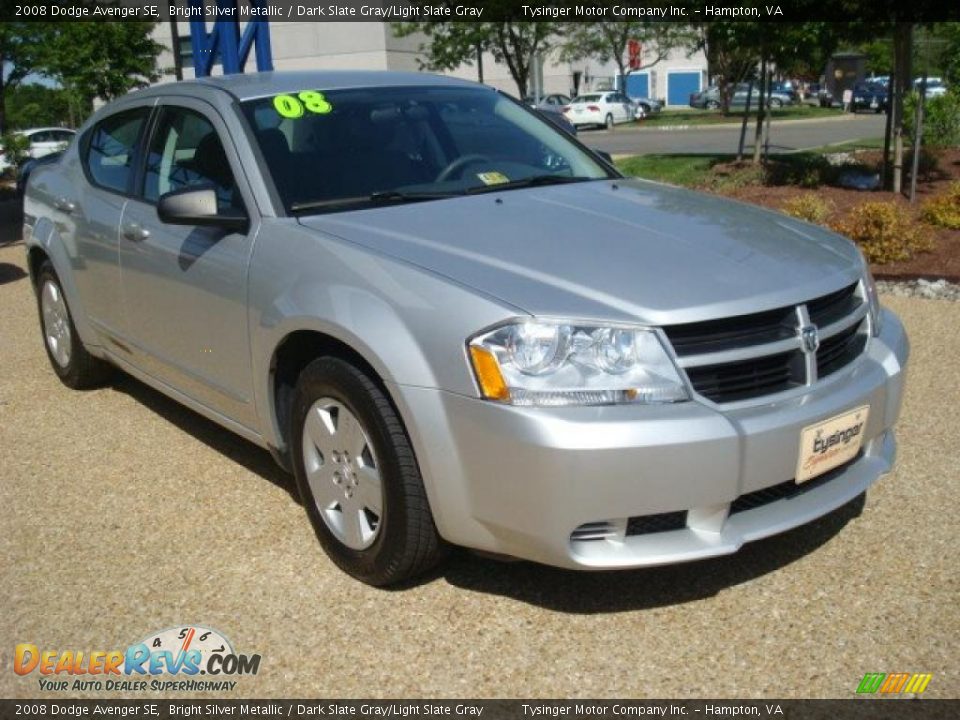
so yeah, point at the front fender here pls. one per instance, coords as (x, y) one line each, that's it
(410, 325)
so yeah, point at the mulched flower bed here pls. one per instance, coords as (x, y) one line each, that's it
(943, 261)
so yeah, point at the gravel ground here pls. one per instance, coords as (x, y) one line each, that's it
(929, 289)
(128, 514)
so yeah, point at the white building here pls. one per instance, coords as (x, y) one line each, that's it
(373, 46)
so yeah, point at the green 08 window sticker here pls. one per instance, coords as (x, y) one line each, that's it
(293, 106)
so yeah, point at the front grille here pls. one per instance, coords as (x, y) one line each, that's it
(839, 350)
(663, 522)
(828, 309)
(786, 490)
(732, 332)
(751, 356)
(728, 382)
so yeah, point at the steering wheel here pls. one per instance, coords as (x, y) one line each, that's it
(459, 164)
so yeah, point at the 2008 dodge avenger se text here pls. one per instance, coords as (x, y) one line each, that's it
(456, 325)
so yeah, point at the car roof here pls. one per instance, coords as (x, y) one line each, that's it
(246, 86)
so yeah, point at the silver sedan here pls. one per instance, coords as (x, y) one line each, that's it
(455, 324)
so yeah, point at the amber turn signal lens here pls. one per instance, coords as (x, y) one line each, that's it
(489, 377)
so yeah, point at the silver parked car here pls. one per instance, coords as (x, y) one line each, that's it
(456, 325)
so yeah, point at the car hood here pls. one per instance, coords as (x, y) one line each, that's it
(624, 250)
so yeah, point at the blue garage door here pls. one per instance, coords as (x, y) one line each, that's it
(638, 85)
(680, 85)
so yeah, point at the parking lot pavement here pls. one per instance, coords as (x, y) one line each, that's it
(124, 514)
(785, 136)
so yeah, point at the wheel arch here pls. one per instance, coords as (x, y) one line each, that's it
(294, 351)
(36, 257)
(46, 245)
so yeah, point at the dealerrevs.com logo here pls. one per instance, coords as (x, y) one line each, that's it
(186, 658)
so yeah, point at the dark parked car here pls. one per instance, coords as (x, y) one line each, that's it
(710, 98)
(869, 96)
(787, 88)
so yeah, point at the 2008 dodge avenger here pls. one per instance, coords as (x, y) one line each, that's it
(455, 324)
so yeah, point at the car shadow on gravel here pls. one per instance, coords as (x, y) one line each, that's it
(551, 588)
(229, 444)
(620, 591)
(10, 273)
(11, 221)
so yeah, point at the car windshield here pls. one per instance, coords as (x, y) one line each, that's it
(588, 98)
(344, 149)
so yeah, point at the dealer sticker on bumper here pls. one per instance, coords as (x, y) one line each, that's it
(830, 443)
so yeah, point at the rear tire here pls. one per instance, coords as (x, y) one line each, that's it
(76, 368)
(712, 105)
(608, 122)
(358, 476)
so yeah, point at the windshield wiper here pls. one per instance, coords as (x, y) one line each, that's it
(533, 181)
(381, 197)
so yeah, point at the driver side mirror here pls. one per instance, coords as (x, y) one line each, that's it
(198, 206)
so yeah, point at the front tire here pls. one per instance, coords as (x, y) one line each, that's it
(76, 368)
(358, 476)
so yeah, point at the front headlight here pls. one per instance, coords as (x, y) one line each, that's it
(556, 364)
(873, 299)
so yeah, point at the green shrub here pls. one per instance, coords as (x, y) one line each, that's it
(941, 119)
(944, 210)
(885, 232)
(809, 207)
(806, 170)
(15, 148)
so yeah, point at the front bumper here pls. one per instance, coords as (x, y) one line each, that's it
(520, 481)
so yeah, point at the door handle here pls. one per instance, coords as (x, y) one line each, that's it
(135, 233)
(64, 205)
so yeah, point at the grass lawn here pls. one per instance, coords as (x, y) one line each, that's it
(686, 170)
(709, 117)
(697, 170)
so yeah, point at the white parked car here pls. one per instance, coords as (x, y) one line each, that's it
(935, 86)
(43, 141)
(601, 108)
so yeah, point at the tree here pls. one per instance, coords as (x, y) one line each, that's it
(452, 44)
(732, 50)
(89, 60)
(31, 105)
(102, 60)
(21, 44)
(949, 60)
(609, 42)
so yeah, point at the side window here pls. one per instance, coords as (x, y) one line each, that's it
(110, 147)
(186, 152)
